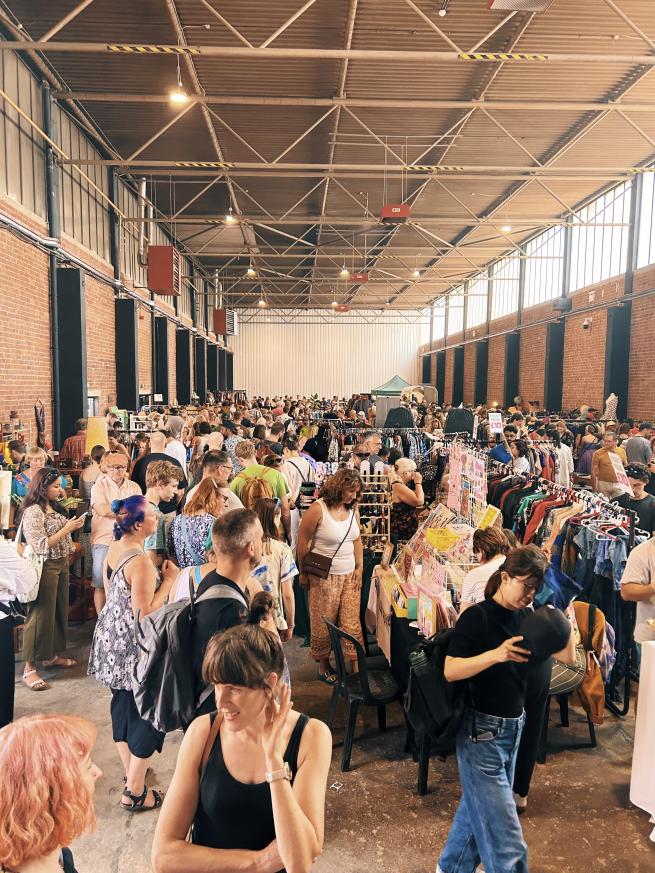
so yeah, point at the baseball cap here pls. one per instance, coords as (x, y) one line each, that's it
(229, 425)
(545, 631)
(275, 449)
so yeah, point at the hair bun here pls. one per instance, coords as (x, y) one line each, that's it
(116, 506)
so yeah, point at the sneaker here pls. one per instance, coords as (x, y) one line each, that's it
(521, 803)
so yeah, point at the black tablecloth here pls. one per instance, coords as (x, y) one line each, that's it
(403, 639)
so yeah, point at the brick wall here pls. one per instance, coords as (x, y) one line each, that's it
(469, 373)
(144, 338)
(25, 349)
(584, 360)
(171, 363)
(100, 340)
(450, 368)
(641, 396)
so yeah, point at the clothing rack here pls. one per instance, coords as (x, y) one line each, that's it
(623, 667)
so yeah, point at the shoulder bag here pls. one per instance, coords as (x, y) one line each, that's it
(319, 565)
(37, 562)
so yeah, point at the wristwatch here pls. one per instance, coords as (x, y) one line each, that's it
(277, 775)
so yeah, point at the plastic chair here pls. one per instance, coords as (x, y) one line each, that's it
(371, 686)
(563, 700)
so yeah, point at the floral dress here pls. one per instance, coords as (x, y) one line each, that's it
(187, 539)
(114, 650)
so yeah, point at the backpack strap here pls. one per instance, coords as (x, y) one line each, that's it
(184, 530)
(226, 592)
(591, 627)
(133, 553)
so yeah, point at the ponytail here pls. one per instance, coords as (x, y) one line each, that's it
(260, 608)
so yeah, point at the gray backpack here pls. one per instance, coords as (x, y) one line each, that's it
(163, 681)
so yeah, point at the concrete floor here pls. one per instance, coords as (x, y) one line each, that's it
(580, 816)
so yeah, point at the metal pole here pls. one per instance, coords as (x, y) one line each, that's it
(114, 224)
(52, 201)
(390, 57)
(633, 233)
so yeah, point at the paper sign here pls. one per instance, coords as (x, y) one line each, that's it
(441, 539)
(620, 473)
(491, 513)
(496, 422)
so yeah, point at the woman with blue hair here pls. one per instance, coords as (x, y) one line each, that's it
(130, 581)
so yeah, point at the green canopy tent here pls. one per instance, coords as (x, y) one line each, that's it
(388, 397)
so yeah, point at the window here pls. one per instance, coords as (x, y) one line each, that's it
(456, 311)
(424, 326)
(477, 293)
(505, 286)
(598, 252)
(646, 250)
(543, 267)
(439, 320)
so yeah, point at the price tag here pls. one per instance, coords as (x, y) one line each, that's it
(496, 422)
(621, 476)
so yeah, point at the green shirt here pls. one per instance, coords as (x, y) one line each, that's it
(276, 480)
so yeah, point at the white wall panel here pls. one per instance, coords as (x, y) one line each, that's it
(324, 358)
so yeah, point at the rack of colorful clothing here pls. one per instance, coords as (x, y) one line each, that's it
(589, 540)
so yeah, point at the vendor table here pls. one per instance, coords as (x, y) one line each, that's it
(642, 783)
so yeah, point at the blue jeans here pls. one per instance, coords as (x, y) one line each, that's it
(486, 825)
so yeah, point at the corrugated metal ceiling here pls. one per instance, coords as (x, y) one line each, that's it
(334, 214)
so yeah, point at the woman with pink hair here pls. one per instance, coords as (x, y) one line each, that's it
(46, 791)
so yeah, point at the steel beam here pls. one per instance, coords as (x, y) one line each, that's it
(146, 50)
(363, 102)
(287, 23)
(400, 168)
(66, 20)
(226, 23)
(358, 220)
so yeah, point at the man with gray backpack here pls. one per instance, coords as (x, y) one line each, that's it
(168, 686)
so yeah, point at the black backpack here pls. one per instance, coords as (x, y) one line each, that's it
(434, 706)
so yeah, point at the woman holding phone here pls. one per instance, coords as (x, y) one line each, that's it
(407, 500)
(489, 652)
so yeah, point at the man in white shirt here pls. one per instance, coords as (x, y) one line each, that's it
(110, 486)
(17, 578)
(638, 585)
(175, 447)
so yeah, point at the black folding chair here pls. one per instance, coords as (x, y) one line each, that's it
(369, 687)
(563, 700)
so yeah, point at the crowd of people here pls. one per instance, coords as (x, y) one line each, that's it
(204, 505)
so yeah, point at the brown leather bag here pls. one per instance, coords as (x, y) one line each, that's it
(591, 624)
(319, 565)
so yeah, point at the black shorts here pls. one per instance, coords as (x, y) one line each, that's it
(127, 726)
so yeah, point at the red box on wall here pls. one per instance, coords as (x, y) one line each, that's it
(164, 270)
(395, 213)
(359, 277)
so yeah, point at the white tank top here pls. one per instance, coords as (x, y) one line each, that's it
(329, 534)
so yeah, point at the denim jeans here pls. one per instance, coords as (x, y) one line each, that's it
(486, 825)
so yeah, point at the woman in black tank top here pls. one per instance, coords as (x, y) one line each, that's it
(250, 779)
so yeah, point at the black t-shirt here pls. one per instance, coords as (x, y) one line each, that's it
(500, 690)
(139, 476)
(644, 508)
(212, 617)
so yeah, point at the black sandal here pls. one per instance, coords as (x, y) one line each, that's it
(137, 801)
(329, 678)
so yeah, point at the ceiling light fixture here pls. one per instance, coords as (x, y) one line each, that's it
(178, 95)
(417, 273)
(506, 228)
(344, 272)
(334, 303)
(229, 218)
(261, 302)
(444, 9)
(251, 272)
